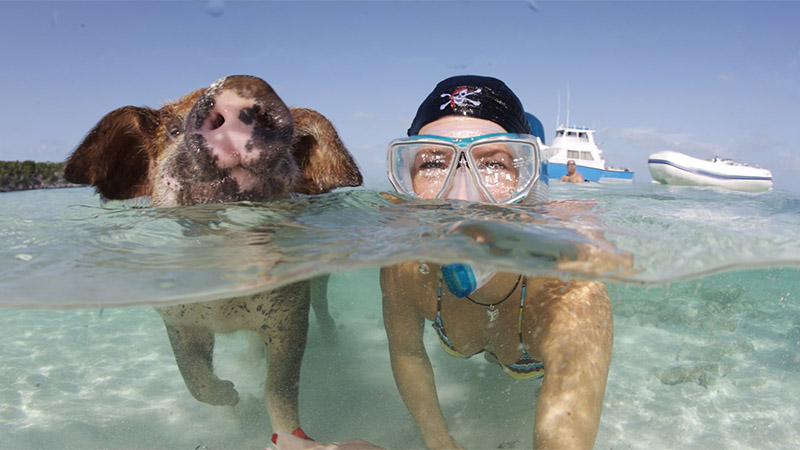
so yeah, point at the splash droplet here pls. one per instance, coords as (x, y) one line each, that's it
(215, 7)
(423, 268)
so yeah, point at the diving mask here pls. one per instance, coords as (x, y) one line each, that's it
(496, 168)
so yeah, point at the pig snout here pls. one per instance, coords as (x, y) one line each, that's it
(228, 130)
(241, 128)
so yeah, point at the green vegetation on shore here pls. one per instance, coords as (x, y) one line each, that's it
(22, 175)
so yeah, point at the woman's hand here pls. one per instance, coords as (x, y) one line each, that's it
(401, 286)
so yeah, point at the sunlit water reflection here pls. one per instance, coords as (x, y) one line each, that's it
(707, 341)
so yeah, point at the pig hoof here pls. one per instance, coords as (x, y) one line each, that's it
(221, 393)
(327, 328)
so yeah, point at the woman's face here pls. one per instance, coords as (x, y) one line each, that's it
(495, 162)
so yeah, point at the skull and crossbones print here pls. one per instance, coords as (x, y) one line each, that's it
(459, 97)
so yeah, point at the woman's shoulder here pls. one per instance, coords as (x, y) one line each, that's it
(556, 288)
(398, 275)
(413, 278)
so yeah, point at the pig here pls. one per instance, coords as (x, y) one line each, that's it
(233, 141)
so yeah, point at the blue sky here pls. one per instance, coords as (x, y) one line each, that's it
(705, 78)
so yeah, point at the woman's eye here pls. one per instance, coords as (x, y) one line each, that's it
(433, 165)
(493, 165)
(493, 158)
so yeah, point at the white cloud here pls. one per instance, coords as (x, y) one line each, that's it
(725, 77)
(790, 161)
(784, 78)
(654, 140)
(362, 116)
(39, 150)
(46, 150)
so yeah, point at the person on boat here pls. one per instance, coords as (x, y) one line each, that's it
(572, 175)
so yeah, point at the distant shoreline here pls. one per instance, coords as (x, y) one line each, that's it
(29, 175)
(64, 185)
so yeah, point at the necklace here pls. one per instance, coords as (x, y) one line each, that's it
(490, 307)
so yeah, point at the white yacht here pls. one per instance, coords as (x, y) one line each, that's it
(577, 143)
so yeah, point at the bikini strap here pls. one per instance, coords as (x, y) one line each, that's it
(439, 297)
(521, 306)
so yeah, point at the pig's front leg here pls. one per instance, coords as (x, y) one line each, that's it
(194, 352)
(285, 336)
(319, 302)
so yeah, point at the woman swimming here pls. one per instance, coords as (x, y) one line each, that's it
(470, 140)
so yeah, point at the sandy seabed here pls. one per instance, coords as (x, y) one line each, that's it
(710, 363)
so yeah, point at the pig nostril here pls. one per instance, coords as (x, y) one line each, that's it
(215, 121)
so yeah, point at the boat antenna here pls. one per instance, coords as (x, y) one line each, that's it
(568, 103)
(558, 115)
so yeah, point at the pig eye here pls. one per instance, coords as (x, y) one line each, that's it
(175, 127)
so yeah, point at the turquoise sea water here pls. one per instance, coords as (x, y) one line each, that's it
(707, 336)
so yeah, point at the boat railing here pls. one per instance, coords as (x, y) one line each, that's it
(731, 162)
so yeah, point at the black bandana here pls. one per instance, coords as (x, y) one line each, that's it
(473, 96)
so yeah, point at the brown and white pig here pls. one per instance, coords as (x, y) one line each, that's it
(235, 140)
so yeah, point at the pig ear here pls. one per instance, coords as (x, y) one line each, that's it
(324, 161)
(114, 156)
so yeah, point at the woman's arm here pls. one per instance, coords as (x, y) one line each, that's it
(574, 334)
(596, 256)
(411, 367)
